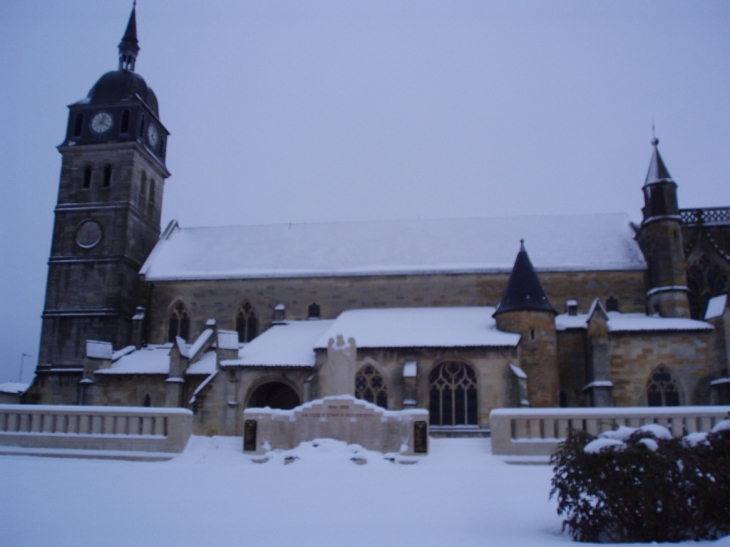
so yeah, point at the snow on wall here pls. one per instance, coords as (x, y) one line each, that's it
(555, 243)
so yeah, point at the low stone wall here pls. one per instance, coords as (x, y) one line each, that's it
(341, 417)
(537, 431)
(33, 429)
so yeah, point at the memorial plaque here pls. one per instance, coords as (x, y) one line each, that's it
(420, 438)
(249, 436)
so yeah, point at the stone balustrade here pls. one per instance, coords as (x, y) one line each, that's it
(537, 431)
(93, 430)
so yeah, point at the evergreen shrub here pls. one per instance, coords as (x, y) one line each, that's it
(642, 487)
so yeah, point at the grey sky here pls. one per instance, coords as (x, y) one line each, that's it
(331, 110)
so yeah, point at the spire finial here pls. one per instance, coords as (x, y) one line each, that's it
(522, 244)
(129, 47)
(654, 140)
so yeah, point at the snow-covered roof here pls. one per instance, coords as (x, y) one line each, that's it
(204, 365)
(420, 327)
(716, 306)
(632, 322)
(287, 344)
(96, 349)
(14, 388)
(153, 359)
(557, 243)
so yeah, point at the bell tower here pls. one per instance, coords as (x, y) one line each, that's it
(107, 219)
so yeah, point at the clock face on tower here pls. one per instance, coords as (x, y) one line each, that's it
(153, 135)
(101, 122)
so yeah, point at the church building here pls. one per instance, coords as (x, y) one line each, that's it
(456, 316)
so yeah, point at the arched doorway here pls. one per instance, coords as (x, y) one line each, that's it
(453, 394)
(274, 395)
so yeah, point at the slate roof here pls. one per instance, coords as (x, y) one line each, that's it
(524, 291)
(658, 172)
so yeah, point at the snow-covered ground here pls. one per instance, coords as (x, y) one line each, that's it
(213, 494)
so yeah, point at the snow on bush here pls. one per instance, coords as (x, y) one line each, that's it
(643, 485)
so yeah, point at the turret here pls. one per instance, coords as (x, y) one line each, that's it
(660, 239)
(525, 309)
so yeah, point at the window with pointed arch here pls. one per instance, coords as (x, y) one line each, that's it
(370, 386)
(453, 394)
(246, 322)
(662, 389)
(178, 323)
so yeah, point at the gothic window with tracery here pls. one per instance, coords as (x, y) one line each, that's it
(246, 322)
(705, 279)
(662, 388)
(370, 386)
(178, 323)
(453, 394)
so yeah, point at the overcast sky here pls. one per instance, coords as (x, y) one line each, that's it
(284, 111)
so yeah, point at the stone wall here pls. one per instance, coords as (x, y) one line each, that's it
(686, 355)
(221, 299)
(572, 366)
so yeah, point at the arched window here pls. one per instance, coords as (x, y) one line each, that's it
(453, 394)
(141, 126)
(125, 122)
(142, 197)
(87, 176)
(162, 146)
(369, 385)
(147, 400)
(246, 322)
(178, 323)
(78, 125)
(107, 175)
(662, 389)
(313, 311)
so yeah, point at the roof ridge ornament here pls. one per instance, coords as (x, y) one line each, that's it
(129, 46)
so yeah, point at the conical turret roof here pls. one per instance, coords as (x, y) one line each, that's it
(524, 291)
(658, 172)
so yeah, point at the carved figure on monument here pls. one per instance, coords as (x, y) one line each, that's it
(341, 357)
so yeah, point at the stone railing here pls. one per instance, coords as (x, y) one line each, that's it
(90, 430)
(710, 216)
(537, 431)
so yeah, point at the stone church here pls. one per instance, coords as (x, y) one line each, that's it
(454, 316)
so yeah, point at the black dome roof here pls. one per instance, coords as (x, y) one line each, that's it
(122, 85)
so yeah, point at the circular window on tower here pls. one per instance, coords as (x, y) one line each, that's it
(88, 234)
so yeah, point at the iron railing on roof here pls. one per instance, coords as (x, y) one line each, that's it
(712, 216)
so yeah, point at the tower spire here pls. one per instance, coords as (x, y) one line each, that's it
(129, 47)
(658, 172)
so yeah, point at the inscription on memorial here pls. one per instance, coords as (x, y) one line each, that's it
(249, 436)
(420, 438)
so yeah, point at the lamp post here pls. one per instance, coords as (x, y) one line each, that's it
(22, 358)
